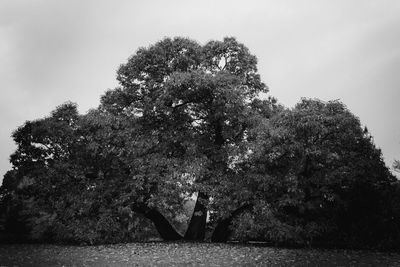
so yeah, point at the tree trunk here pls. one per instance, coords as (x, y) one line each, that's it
(222, 232)
(197, 227)
(163, 226)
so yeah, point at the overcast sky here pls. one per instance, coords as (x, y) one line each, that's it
(54, 51)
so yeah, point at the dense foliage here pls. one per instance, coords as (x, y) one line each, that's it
(189, 135)
(315, 176)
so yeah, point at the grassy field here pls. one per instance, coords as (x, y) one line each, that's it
(187, 254)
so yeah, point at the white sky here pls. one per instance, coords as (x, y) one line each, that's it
(54, 51)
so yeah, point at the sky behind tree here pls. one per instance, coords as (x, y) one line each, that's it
(56, 51)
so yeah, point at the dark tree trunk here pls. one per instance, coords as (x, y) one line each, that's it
(163, 226)
(197, 227)
(222, 232)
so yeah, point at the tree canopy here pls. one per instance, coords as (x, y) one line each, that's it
(314, 174)
(192, 123)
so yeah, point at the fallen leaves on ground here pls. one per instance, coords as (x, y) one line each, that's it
(187, 254)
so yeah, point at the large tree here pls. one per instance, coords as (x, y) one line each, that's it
(166, 134)
(195, 102)
(187, 121)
